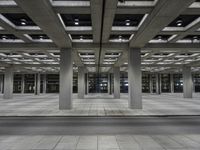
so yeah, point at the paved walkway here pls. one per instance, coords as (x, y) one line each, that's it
(99, 105)
(117, 142)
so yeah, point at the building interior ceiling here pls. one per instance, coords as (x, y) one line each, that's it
(100, 34)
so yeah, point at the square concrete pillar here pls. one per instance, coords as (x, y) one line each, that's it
(134, 79)
(8, 83)
(66, 79)
(37, 84)
(116, 72)
(150, 83)
(22, 84)
(172, 83)
(44, 83)
(158, 84)
(81, 82)
(187, 82)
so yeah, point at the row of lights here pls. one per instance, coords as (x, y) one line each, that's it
(127, 22)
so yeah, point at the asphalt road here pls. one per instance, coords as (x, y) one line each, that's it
(98, 125)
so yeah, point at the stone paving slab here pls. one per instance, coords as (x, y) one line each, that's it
(100, 142)
(100, 105)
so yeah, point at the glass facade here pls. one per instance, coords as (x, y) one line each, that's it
(29, 83)
(196, 81)
(98, 83)
(124, 83)
(178, 83)
(17, 83)
(52, 81)
(75, 83)
(145, 83)
(153, 78)
(165, 83)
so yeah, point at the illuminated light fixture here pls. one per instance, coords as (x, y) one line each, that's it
(159, 37)
(81, 37)
(23, 22)
(128, 23)
(195, 38)
(4, 37)
(76, 22)
(41, 37)
(120, 38)
(179, 23)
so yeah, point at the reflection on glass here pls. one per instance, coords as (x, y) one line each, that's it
(197, 82)
(124, 82)
(145, 83)
(165, 83)
(17, 84)
(98, 83)
(178, 83)
(29, 83)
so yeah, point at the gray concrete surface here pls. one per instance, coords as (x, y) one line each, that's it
(100, 105)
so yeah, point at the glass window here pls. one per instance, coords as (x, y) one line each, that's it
(52, 83)
(165, 83)
(124, 82)
(178, 83)
(196, 79)
(29, 83)
(75, 83)
(145, 83)
(17, 83)
(98, 83)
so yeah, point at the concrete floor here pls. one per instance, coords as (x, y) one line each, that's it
(100, 133)
(117, 142)
(100, 105)
(62, 133)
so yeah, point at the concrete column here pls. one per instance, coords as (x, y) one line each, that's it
(116, 71)
(135, 79)
(8, 83)
(66, 77)
(88, 82)
(1, 83)
(109, 84)
(44, 83)
(172, 83)
(158, 90)
(193, 83)
(22, 84)
(150, 84)
(37, 84)
(81, 82)
(187, 82)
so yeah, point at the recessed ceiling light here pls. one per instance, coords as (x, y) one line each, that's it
(195, 37)
(76, 21)
(81, 38)
(179, 23)
(4, 37)
(159, 37)
(128, 23)
(23, 21)
(41, 37)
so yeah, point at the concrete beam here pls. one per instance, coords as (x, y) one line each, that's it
(110, 9)
(96, 15)
(11, 29)
(163, 13)
(41, 12)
